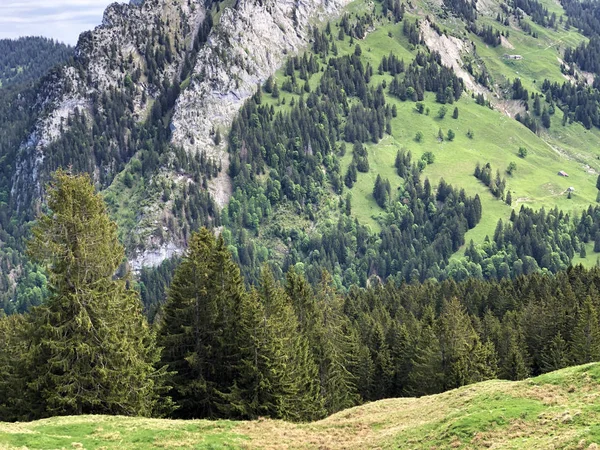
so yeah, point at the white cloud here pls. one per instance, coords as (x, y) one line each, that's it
(62, 20)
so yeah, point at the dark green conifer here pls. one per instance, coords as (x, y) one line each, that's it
(14, 395)
(426, 376)
(334, 345)
(556, 354)
(197, 331)
(586, 337)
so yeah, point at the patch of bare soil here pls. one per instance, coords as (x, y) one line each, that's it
(506, 43)
(450, 49)
(221, 187)
(510, 108)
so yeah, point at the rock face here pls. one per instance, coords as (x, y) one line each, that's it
(250, 42)
(105, 58)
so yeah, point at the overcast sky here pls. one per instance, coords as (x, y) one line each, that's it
(63, 20)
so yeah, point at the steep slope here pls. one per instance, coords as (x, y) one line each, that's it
(137, 45)
(249, 44)
(556, 410)
(148, 105)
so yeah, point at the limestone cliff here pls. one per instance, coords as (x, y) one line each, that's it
(113, 54)
(249, 44)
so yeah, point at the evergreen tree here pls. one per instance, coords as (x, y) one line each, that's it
(290, 388)
(556, 354)
(426, 376)
(197, 328)
(586, 337)
(464, 359)
(14, 396)
(92, 351)
(277, 373)
(514, 366)
(333, 346)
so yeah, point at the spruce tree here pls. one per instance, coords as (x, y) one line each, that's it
(14, 396)
(335, 346)
(92, 351)
(197, 331)
(426, 376)
(289, 387)
(586, 337)
(514, 366)
(464, 358)
(556, 354)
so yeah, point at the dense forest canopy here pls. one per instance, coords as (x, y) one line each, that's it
(25, 60)
(280, 349)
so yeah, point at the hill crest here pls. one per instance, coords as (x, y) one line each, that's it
(555, 410)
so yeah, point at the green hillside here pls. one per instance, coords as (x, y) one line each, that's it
(556, 410)
(497, 136)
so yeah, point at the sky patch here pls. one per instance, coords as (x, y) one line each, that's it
(62, 20)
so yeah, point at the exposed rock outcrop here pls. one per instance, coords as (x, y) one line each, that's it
(110, 56)
(250, 42)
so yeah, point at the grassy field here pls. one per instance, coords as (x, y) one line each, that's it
(556, 410)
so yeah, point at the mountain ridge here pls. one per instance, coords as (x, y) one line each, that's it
(151, 122)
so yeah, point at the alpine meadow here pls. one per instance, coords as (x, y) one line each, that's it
(319, 224)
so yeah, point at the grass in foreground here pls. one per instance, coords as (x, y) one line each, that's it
(555, 410)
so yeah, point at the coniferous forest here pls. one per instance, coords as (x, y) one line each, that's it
(280, 301)
(221, 349)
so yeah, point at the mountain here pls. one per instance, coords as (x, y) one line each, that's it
(556, 409)
(316, 134)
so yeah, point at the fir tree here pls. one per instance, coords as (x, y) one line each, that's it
(514, 366)
(426, 376)
(197, 329)
(14, 396)
(464, 359)
(92, 351)
(289, 375)
(556, 354)
(586, 337)
(333, 346)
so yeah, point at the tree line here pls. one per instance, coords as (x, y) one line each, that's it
(289, 350)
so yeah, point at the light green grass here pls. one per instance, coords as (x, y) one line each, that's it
(540, 56)
(555, 410)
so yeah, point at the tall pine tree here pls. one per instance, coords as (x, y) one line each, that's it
(586, 337)
(197, 331)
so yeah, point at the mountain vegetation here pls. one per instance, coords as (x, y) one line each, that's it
(405, 207)
(332, 106)
(292, 351)
(24, 61)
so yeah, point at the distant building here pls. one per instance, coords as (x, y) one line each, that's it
(562, 173)
(517, 57)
